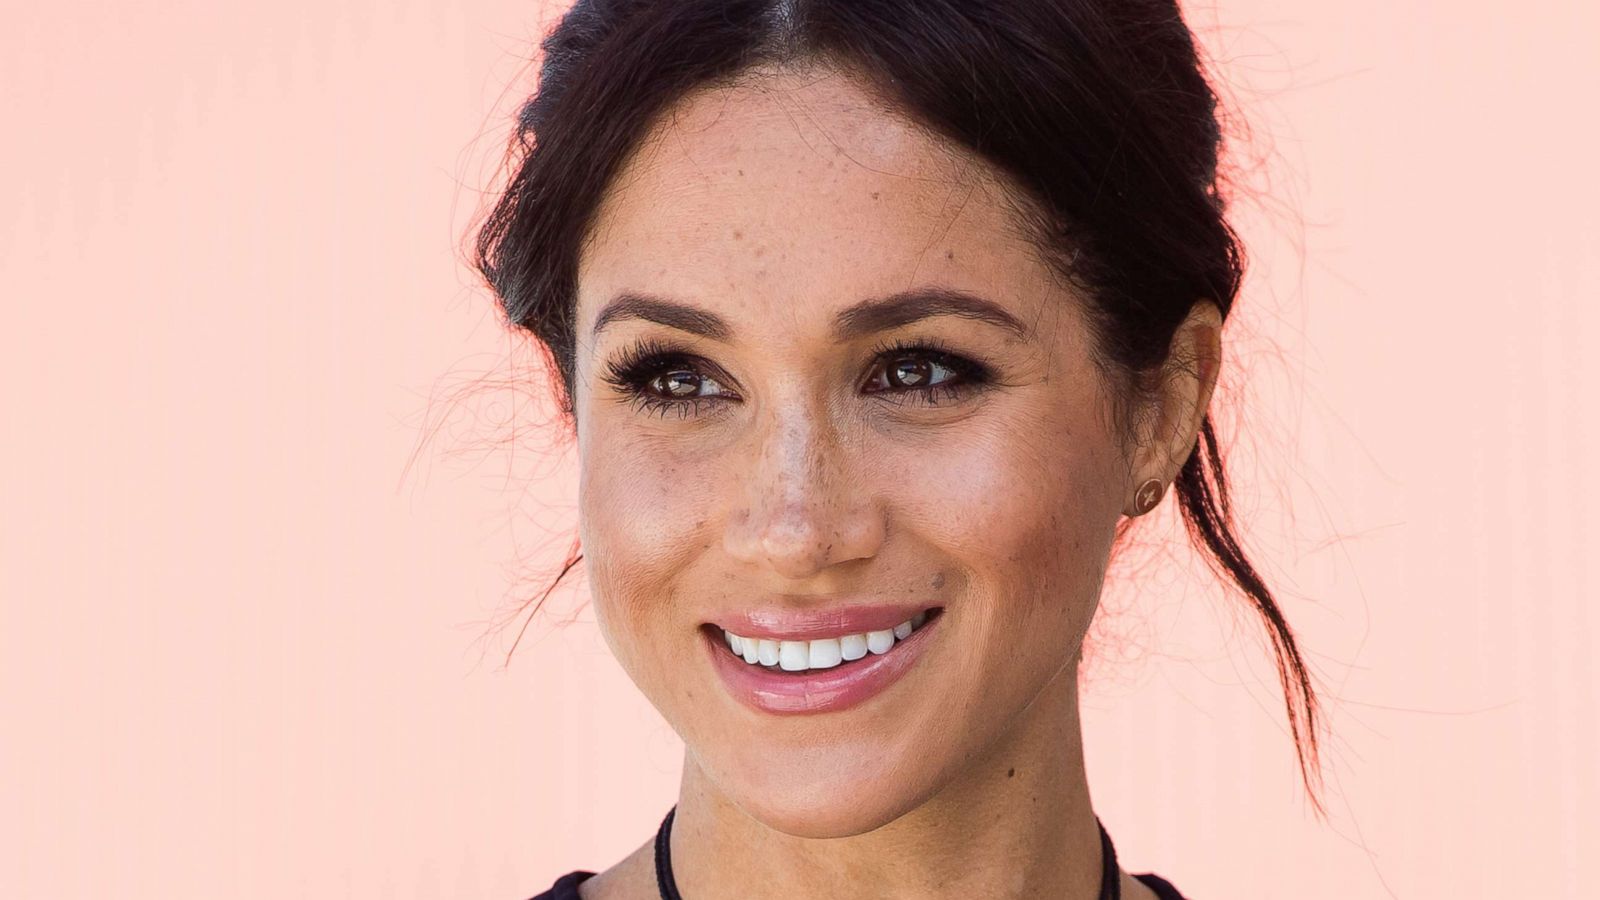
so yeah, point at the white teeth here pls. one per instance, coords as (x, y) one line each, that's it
(821, 653)
(825, 653)
(853, 646)
(766, 652)
(793, 655)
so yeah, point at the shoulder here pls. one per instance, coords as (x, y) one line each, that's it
(566, 887)
(1163, 888)
(634, 876)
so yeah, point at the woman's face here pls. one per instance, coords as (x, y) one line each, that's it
(801, 465)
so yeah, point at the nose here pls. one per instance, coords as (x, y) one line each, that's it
(804, 504)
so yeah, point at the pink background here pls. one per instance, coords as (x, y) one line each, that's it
(265, 517)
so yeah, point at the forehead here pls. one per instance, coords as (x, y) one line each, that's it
(784, 197)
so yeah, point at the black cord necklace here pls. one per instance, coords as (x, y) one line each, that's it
(1110, 882)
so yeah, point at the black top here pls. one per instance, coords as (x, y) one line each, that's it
(566, 887)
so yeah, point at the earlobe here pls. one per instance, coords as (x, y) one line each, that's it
(1146, 497)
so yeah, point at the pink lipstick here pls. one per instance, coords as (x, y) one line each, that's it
(899, 634)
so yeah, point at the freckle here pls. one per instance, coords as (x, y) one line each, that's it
(741, 171)
(738, 235)
(760, 250)
(938, 580)
(949, 254)
(1010, 773)
(874, 195)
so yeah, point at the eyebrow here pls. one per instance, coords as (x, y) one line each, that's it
(866, 317)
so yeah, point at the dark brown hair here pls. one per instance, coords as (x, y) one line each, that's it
(1098, 111)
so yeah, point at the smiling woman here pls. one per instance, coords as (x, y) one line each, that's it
(876, 322)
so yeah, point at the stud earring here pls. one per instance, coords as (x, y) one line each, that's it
(1148, 495)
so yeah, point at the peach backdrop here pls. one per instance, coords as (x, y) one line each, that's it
(264, 515)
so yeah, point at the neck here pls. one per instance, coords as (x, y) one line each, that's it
(1014, 823)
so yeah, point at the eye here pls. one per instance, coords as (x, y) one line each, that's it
(916, 372)
(659, 379)
(680, 383)
(926, 373)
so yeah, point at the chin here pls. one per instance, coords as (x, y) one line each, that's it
(825, 794)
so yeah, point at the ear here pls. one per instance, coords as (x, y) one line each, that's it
(1173, 417)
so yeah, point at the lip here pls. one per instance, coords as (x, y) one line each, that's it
(778, 624)
(827, 690)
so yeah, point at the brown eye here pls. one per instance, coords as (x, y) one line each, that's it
(913, 372)
(679, 383)
(659, 378)
(684, 385)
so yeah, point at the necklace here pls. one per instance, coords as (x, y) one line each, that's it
(1110, 884)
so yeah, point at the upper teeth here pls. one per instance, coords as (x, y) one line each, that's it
(821, 653)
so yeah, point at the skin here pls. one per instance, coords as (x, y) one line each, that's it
(774, 203)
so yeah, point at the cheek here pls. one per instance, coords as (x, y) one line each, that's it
(1028, 508)
(642, 508)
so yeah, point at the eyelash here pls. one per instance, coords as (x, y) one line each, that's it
(632, 371)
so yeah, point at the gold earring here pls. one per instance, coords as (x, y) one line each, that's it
(1148, 495)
